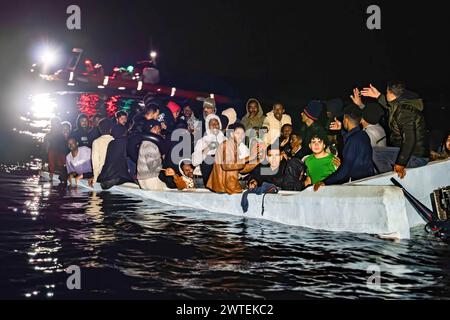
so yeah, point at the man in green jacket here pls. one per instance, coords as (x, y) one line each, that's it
(408, 140)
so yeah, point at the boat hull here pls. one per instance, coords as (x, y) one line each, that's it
(376, 210)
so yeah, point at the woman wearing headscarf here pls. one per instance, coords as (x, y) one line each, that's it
(205, 148)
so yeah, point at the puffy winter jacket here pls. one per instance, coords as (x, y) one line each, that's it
(407, 124)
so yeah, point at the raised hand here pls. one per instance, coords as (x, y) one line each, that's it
(336, 125)
(356, 98)
(371, 92)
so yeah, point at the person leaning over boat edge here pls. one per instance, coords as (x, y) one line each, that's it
(78, 162)
(408, 131)
(357, 154)
(224, 177)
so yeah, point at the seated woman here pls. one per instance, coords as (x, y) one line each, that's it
(319, 164)
(205, 148)
(187, 180)
(224, 177)
(444, 152)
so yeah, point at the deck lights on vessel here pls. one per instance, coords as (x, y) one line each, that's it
(71, 76)
(153, 54)
(172, 93)
(105, 81)
(139, 87)
(121, 88)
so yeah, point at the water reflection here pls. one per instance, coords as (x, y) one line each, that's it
(129, 247)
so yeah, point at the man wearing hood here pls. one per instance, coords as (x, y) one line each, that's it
(408, 132)
(255, 115)
(115, 169)
(81, 133)
(274, 121)
(205, 148)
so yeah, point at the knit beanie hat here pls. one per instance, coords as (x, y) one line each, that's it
(313, 110)
(372, 113)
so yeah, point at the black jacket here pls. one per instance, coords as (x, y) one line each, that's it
(115, 169)
(289, 175)
(407, 125)
(357, 158)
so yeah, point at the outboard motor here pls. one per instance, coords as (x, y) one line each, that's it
(438, 222)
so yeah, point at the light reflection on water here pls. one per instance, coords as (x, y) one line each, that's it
(129, 247)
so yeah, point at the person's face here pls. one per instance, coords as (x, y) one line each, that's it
(274, 158)
(304, 117)
(447, 143)
(122, 120)
(286, 132)
(72, 144)
(152, 115)
(208, 111)
(295, 141)
(214, 126)
(83, 123)
(317, 146)
(66, 129)
(278, 111)
(252, 184)
(188, 170)
(95, 121)
(253, 109)
(390, 96)
(345, 122)
(187, 112)
(262, 133)
(239, 135)
(156, 130)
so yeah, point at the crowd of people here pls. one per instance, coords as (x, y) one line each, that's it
(165, 146)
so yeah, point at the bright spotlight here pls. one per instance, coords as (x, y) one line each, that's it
(48, 57)
(153, 54)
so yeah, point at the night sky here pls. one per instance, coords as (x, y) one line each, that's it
(280, 50)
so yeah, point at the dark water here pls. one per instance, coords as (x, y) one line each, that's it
(132, 248)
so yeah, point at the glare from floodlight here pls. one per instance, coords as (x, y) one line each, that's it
(153, 54)
(48, 57)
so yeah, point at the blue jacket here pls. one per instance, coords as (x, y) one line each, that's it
(357, 158)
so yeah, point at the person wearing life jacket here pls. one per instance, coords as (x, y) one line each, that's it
(205, 148)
